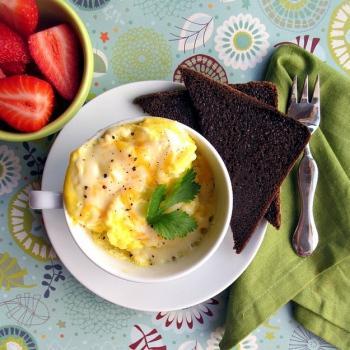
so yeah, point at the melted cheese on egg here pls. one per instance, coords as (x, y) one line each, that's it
(110, 180)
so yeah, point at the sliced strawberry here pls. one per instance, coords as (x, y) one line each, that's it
(56, 52)
(2, 74)
(12, 46)
(26, 102)
(20, 15)
(12, 68)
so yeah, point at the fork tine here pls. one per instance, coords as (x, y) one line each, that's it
(316, 95)
(294, 94)
(305, 94)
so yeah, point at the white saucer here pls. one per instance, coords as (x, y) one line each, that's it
(211, 278)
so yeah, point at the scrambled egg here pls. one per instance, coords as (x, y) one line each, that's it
(110, 180)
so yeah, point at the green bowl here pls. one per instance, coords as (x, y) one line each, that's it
(51, 13)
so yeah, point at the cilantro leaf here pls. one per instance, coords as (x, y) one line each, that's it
(174, 224)
(183, 191)
(157, 197)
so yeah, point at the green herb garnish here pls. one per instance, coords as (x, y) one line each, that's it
(177, 223)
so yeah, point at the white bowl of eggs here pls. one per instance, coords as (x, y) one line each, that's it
(147, 199)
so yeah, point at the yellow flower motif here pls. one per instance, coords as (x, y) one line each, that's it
(269, 335)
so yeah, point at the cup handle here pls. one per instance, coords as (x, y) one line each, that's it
(45, 200)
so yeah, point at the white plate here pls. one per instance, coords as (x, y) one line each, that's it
(211, 278)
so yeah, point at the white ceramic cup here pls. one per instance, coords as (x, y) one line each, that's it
(167, 271)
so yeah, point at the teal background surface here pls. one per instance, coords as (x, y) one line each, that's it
(41, 305)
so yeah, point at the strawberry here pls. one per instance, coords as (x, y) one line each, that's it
(12, 68)
(56, 53)
(26, 102)
(20, 15)
(12, 46)
(2, 74)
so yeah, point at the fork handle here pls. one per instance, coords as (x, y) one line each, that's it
(305, 238)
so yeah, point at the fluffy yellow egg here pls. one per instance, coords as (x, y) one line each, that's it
(110, 180)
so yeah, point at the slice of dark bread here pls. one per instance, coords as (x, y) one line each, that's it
(177, 105)
(258, 144)
(264, 91)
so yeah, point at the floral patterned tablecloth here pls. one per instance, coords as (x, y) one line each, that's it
(41, 305)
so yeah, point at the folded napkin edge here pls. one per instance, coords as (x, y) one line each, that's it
(318, 325)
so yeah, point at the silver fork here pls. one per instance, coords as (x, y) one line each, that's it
(305, 237)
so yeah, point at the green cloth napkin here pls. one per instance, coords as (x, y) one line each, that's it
(318, 285)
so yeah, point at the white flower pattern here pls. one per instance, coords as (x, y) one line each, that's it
(248, 343)
(191, 345)
(339, 36)
(10, 170)
(242, 41)
(302, 339)
(215, 338)
(187, 318)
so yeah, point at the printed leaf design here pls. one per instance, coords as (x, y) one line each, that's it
(55, 275)
(147, 340)
(11, 274)
(32, 160)
(26, 145)
(195, 32)
(26, 309)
